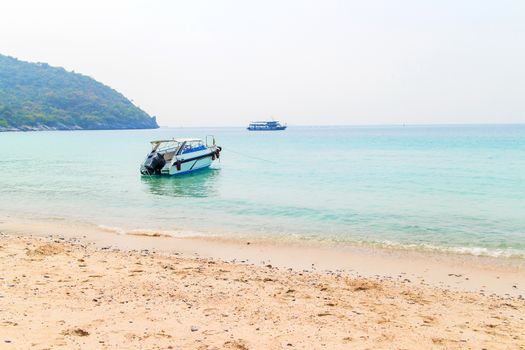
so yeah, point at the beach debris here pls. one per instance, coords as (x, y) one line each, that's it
(45, 250)
(438, 341)
(364, 285)
(194, 328)
(236, 344)
(454, 275)
(79, 332)
(509, 305)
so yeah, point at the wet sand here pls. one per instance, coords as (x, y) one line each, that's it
(461, 272)
(69, 292)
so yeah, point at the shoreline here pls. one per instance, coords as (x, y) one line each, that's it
(77, 294)
(17, 220)
(461, 272)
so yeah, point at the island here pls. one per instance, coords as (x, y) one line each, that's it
(37, 96)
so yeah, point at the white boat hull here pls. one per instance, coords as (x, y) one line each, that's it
(176, 157)
(187, 166)
(187, 163)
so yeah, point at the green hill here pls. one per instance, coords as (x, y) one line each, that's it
(36, 96)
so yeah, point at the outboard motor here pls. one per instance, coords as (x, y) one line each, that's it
(154, 163)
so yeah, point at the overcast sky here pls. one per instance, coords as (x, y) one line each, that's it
(217, 62)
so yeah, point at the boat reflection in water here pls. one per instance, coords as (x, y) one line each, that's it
(199, 184)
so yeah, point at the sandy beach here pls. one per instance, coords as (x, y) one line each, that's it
(65, 292)
(262, 175)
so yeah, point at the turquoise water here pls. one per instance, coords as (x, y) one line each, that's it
(453, 188)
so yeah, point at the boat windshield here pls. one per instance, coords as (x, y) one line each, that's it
(165, 145)
(193, 146)
(177, 146)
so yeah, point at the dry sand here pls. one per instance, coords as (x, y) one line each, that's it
(64, 293)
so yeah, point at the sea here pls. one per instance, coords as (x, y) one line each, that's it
(451, 188)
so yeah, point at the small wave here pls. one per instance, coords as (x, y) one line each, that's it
(382, 244)
(475, 251)
(148, 233)
(151, 232)
(112, 229)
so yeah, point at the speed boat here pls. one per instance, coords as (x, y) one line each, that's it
(180, 156)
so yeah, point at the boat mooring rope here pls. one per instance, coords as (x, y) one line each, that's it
(250, 156)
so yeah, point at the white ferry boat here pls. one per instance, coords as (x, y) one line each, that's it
(266, 126)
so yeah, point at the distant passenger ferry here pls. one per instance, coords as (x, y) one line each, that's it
(266, 126)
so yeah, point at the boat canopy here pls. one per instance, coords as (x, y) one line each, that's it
(174, 144)
(271, 122)
(173, 140)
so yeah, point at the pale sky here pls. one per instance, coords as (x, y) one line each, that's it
(324, 62)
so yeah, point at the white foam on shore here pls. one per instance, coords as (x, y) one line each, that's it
(384, 244)
(475, 251)
(182, 233)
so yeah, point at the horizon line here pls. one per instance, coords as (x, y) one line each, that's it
(354, 125)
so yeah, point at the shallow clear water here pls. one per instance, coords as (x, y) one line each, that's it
(456, 188)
